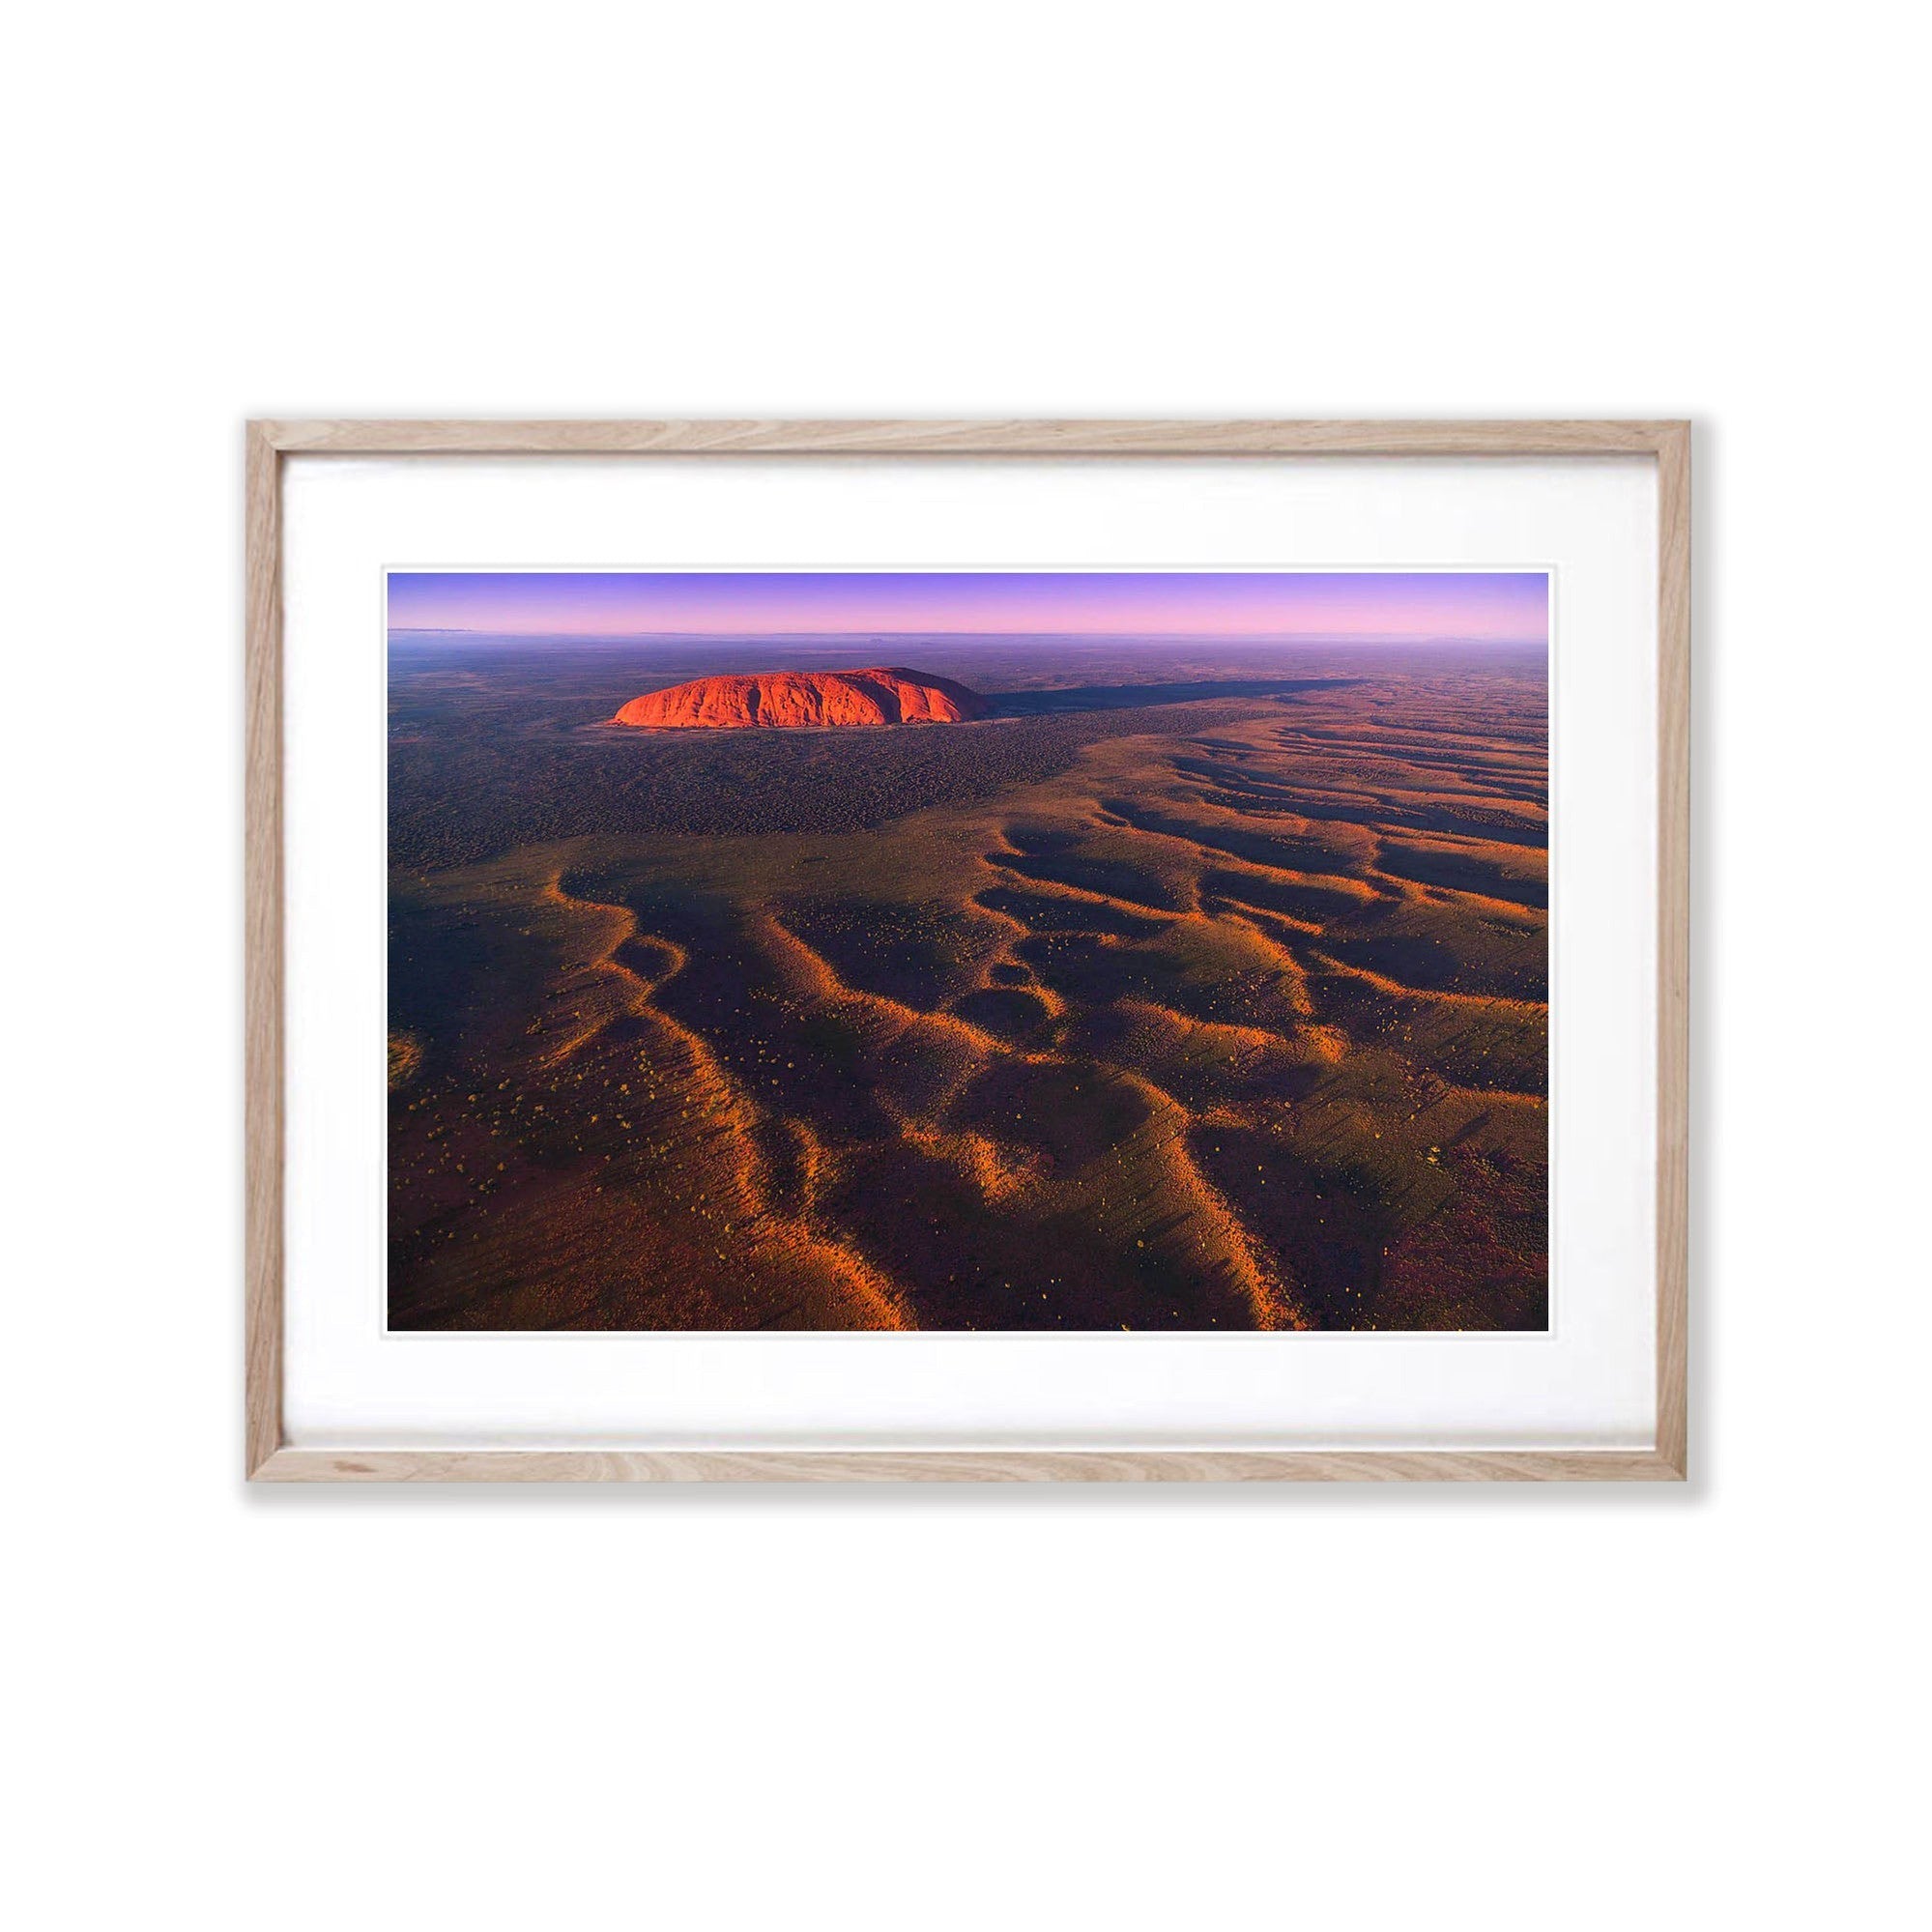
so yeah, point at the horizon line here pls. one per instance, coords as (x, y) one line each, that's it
(1072, 636)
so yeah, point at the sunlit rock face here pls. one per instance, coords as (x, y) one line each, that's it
(778, 700)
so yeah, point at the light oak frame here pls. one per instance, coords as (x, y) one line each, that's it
(270, 1458)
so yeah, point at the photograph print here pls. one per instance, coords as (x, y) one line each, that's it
(1040, 951)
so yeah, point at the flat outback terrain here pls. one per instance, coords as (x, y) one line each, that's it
(1200, 985)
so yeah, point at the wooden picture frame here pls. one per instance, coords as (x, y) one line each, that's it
(268, 1457)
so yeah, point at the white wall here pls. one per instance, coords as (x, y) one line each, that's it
(1109, 1710)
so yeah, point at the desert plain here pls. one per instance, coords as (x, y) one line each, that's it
(1200, 985)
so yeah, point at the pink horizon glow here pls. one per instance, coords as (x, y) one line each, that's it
(1462, 606)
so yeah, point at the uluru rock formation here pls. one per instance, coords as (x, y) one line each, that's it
(882, 695)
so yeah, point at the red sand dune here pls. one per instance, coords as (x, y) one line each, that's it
(880, 696)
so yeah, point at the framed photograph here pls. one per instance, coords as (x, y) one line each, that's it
(957, 951)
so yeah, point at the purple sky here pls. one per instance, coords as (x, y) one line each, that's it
(1512, 607)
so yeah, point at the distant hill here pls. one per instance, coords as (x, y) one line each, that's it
(882, 695)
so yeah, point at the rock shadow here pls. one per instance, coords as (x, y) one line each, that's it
(1134, 697)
